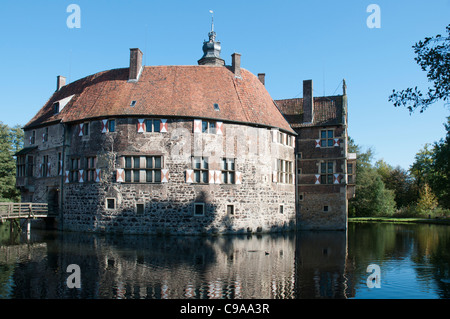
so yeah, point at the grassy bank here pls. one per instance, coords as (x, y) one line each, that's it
(399, 220)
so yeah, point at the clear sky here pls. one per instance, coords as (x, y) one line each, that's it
(290, 41)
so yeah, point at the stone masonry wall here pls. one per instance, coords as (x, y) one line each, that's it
(169, 206)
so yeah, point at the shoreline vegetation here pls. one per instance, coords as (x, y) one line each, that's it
(400, 220)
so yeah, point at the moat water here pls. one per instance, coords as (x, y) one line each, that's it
(414, 262)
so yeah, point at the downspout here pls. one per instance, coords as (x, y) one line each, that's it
(61, 209)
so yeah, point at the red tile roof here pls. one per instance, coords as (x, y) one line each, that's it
(169, 91)
(327, 111)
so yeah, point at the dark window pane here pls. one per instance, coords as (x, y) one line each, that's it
(128, 175)
(156, 125)
(127, 162)
(157, 162)
(148, 125)
(157, 176)
(136, 176)
(330, 134)
(323, 134)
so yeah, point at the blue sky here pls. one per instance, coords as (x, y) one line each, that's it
(290, 41)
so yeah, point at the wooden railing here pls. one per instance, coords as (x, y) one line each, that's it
(23, 210)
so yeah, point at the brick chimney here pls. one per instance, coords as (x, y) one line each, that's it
(308, 102)
(135, 65)
(262, 78)
(60, 82)
(236, 64)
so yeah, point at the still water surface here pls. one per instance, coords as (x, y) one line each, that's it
(414, 261)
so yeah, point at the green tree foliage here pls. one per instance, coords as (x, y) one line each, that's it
(427, 200)
(433, 56)
(398, 180)
(441, 168)
(11, 140)
(372, 198)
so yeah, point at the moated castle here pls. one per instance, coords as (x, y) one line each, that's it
(199, 149)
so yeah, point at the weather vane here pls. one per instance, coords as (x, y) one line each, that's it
(212, 34)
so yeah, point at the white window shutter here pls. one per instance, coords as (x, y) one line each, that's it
(163, 126)
(197, 126)
(189, 176)
(164, 176)
(141, 126)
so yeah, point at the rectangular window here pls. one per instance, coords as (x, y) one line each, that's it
(59, 162)
(74, 167)
(326, 208)
(301, 196)
(152, 125)
(228, 171)
(230, 210)
(33, 137)
(209, 127)
(285, 171)
(326, 138)
(86, 129)
(90, 168)
(326, 172)
(199, 209)
(111, 125)
(151, 169)
(281, 209)
(30, 165)
(350, 174)
(21, 166)
(44, 166)
(140, 208)
(45, 135)
(200, 166)
(110, 203)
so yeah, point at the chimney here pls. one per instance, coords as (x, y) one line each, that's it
(262, 78)
(308, 102)
(60, 82)
(135, 65)
(236, 64)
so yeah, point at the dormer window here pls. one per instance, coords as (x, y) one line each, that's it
(56, 108)
(133, 103)
(216, 107)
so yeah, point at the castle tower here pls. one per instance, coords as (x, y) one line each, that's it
(211, 49)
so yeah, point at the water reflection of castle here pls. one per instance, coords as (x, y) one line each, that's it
(302, 265)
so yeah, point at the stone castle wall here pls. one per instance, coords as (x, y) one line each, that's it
(169, 206)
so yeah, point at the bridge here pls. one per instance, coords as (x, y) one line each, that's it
(10, 211)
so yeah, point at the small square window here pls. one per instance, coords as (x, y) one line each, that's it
(301, 196)
(110, 203)
(199, 209)
(140, 207)
(230, 209)
(326, 208)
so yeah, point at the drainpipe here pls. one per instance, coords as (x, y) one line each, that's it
(61, 194)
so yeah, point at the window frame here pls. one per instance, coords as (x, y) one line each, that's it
(327, 141)
(203, 209)
(107, 199)
(228, 172)
(327, 177)
(201, 174)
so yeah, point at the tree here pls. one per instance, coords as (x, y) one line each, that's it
(10, 141)
(433, 56)
(398, 180)
(427, 200)
(441, 168)
(371, 196)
